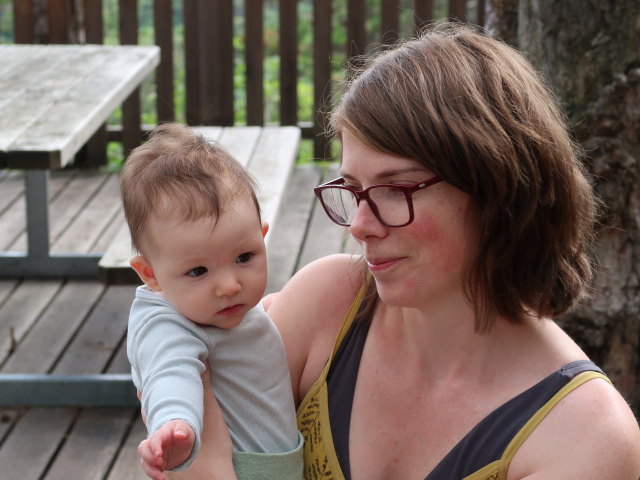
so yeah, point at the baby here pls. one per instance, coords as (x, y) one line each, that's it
(196, 228)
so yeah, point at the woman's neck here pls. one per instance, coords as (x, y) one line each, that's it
(442, 343)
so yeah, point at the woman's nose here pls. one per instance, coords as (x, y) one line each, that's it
(365, 223)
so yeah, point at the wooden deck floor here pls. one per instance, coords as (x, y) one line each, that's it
(73, 327)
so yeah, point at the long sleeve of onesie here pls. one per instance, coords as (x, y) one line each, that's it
(166, 352)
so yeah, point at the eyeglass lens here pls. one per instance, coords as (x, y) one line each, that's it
(391, 203)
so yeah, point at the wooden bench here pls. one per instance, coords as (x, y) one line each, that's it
(269, 153)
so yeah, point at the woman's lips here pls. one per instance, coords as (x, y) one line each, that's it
(379, 264)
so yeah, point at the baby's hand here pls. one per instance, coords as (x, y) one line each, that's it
(167, 448)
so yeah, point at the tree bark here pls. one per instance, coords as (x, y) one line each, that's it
(501, 20)
(590, 52)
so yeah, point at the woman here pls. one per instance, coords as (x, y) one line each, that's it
(435, 355)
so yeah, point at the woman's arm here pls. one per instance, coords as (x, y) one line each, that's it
(591, 434)
(215, 459)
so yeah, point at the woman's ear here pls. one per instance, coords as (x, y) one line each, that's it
(265, 228)
(145, 272)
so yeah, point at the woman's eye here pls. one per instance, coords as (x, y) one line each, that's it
(244, 258)
(197, 272)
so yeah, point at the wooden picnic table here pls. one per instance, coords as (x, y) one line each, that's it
(53, 98)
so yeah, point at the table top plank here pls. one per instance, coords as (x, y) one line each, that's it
(54, 116)
(37, 82)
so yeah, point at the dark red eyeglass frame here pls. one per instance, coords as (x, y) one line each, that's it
(360, 195)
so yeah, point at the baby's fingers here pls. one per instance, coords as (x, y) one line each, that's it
(150, 463)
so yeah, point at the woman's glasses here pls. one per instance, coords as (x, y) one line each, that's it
(391, 204)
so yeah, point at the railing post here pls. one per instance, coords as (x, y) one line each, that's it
(356, 34)
(389, 22)
(23, 21)
(191, 12)
(422, 14)
(321, 76)
(163, 30)
(458, 10)
(216, 57)
(288, 62)
(60, 21)
(254, 60)
(131, 111)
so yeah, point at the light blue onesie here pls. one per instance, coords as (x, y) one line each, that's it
(249, 375)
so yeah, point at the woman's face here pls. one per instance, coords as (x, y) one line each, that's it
(424, 261)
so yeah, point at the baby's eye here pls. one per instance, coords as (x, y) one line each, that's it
(197, 272)
(244, 257)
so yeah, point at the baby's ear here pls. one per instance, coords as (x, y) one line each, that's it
(144, 271)
(265, 228)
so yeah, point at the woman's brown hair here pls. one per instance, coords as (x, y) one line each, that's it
(476, 113)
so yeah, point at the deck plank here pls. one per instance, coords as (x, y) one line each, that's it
(11, 186)
(323, 236)
(13, 223)
(290, 227)
(127, 464)
(98, 212)
(26, 453)
(90, 447)
(22, 309)
(46, 341)
(100, 335)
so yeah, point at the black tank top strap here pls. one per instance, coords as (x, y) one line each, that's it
(488, 440)
(341, 384)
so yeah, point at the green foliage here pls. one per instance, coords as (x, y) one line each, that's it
(6, 21)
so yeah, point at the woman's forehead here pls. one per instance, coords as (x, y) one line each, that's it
(359, 159)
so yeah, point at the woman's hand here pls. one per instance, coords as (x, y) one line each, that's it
(215, 460)
(268, 300)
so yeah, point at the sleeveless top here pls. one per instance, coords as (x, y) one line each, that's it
(483, 454)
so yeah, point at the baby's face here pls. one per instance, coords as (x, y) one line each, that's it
(212, 272)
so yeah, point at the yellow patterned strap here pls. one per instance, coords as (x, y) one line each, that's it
(320, 459)
(534, 421)
(498, 470)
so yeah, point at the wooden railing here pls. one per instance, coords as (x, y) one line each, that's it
(209, 52)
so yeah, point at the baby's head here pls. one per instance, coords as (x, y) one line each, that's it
(195, 224)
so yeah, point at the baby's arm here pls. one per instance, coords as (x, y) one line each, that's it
(167, 448)
(165, 353)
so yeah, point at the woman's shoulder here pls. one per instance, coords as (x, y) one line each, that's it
(590, 434)
(324, 284)
(310, 310)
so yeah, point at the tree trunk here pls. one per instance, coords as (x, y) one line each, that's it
(590, 52)
(501, 20)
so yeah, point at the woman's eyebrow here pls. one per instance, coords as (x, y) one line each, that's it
(388, 173)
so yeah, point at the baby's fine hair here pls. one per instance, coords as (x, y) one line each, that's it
(476, 113)
(179, 173)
